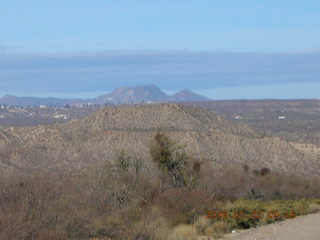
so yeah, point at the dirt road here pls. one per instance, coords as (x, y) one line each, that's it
(300, 228)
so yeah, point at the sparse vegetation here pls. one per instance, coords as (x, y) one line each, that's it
(173, 161)
(124, 200)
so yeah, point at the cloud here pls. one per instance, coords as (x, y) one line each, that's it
(170, 70)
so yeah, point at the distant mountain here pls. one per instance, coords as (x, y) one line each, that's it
(148, 93)
(187, 96)
(123, 95)
(34, 101)
(133, 95)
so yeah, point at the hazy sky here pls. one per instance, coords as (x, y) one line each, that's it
(219, 48)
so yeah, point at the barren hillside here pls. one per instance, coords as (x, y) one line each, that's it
(79, 144)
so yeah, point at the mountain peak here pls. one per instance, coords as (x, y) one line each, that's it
(187, 96)
(8, 97)
(122, 95)
(148, 93)
(136, 94)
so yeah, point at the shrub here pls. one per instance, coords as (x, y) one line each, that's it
(220, 228)
(241, 211)
(183, 205)
(184, 232)
(264, 171)
(51, 235)
(151, 225)
(170, 158)
(202, 224)
(314, 208)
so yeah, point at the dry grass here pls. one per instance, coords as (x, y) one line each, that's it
(184, 232)
(126, 201)
(314, 208)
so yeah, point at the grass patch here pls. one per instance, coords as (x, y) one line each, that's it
(245, 214)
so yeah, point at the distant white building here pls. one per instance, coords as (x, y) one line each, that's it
(281, 117)
(61, 116)
(43, 106)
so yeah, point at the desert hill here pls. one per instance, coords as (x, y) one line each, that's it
(173, 117)
(80, 144)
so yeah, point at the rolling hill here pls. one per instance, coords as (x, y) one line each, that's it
(82, 144)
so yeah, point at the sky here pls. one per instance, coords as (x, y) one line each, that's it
(223, 49)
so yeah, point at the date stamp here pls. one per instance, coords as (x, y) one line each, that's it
(254, 214)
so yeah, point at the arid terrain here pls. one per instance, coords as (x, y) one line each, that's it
(148, 172)
(159, 120)
(79, 144)
(293, 120)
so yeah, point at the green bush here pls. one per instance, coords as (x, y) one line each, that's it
(241, 213)
(174, 162)
(244, 213)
